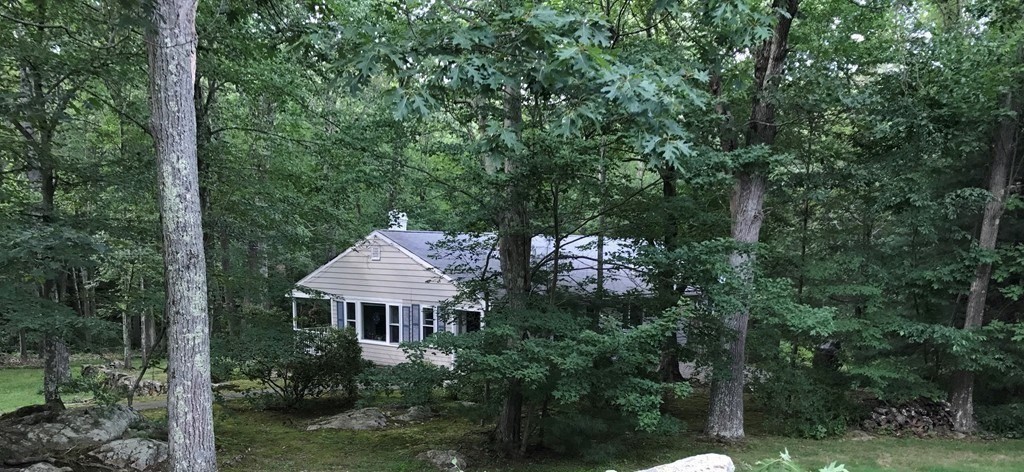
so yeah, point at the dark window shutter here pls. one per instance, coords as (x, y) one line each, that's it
(406, 323)
(339, 318)
(439, 317)
(417, 333)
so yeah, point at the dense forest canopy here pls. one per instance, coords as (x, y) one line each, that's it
(838, 181)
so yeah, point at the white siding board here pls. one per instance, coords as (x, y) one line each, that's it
(381, 354)
(395, 276)
(387, 355)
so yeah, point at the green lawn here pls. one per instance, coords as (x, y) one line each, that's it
(21, 386)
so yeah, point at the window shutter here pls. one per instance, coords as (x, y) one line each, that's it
(339, 314)
(417, 333)
(406, 323)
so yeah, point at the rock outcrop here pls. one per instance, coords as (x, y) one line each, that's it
(40, 432)
(701, 463)
(416, 414)
(448, 461)
(136, 454)
(37, 439)
(356, 420)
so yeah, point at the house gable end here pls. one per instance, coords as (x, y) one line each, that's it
(391, 273)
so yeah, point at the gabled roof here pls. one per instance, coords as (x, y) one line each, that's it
(464, 256)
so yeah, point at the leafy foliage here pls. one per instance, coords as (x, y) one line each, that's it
(292, 365)
(416, 381)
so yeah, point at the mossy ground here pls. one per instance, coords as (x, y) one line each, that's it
(250, 440)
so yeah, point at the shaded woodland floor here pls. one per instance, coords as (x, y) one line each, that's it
(276, 441)
(250, 440)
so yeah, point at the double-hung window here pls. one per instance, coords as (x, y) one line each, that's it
(350, 315)
(394, 324)
(428, 321)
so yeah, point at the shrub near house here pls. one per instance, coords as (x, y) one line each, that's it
(291, 365)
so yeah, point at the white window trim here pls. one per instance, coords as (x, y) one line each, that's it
(377, 301)
(423, 323)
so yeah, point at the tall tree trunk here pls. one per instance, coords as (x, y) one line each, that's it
(22, 346)
(171, 45)
(725, 415)
(227, 280)
(669, 363)
(602, 179)
(147, 327)
(56, 369)
(256, 260)
(126, 338)
(514, 236)
(725, 419)
(961, 394)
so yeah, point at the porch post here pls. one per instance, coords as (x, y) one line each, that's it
(295, 314)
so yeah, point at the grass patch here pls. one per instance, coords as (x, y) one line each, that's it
(274, 440)
(22, 386)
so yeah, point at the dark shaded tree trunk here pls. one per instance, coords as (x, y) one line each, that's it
(725, 416)
(146, 327)
(227, 279)
(56, 370)
(171, 44)
(961, 394)
(514, 236)
(669, 363)
(22, 346)
(126, 338)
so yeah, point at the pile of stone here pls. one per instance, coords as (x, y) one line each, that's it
(124, 381)
(114, 437)
(921, 418)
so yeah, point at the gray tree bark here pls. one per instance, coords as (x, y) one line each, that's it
(171, 44)
(126, 338)
(514, 236)
(725, 415)
(1004, 149)
(22, 346)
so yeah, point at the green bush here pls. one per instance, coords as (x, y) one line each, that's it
(291, 365)
(800, 402)
(417, 381)
(583, 378)
(1006, 420)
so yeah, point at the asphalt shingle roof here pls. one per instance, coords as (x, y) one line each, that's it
(464, 256)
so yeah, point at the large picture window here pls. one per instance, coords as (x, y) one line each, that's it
(381, 322)
(375, 323)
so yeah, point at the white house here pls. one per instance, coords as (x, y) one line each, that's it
(389, 286)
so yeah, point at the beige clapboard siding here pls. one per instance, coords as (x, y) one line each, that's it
(396, 277)
(392, 355)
